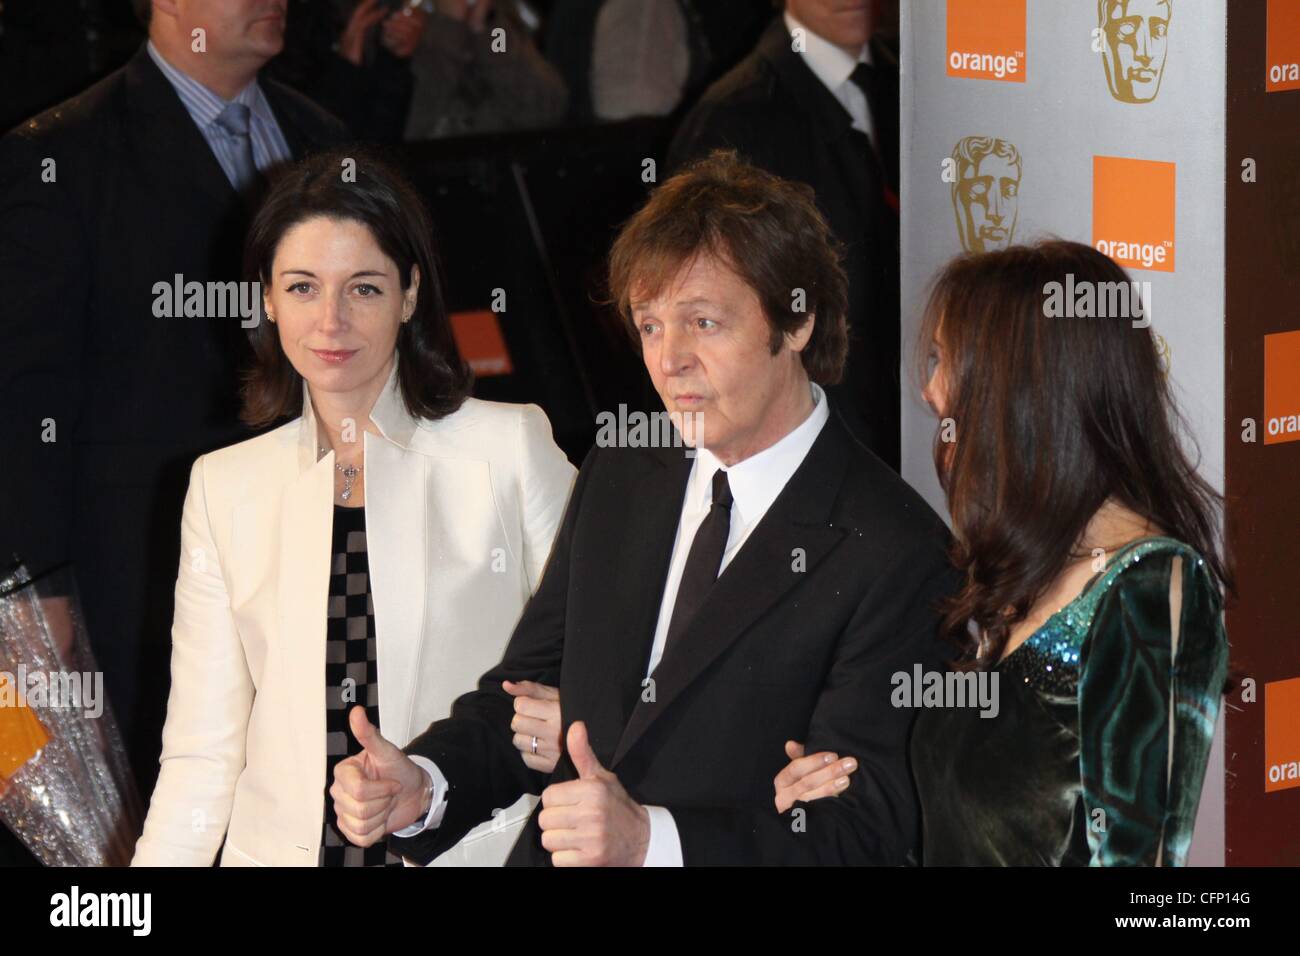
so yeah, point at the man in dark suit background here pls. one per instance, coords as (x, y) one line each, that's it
(817, 102)
(144, 177)
(698, 612)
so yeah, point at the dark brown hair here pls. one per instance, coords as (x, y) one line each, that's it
(433, 379)
(764, 228)
(1053, 416)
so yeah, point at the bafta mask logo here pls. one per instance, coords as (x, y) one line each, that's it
(986, 192)
(1135, 40)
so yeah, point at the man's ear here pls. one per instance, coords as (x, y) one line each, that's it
(797, 340)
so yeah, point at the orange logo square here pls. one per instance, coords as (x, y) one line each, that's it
(1281, 388)
(986, 40)
(1133, 211)
(22, 735)
(1282, 46)
(1281, 734)
(478, 336)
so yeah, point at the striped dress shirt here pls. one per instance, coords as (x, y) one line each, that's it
(204, 106)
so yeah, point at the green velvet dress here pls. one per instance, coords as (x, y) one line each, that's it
(1098, 751)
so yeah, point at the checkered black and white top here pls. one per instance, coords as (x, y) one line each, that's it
(351, 675)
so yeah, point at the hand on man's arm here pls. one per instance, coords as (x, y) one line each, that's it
(875, 819)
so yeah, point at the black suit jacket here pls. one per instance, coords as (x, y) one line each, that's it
(774, 111)
(137, 198)
(832, 593)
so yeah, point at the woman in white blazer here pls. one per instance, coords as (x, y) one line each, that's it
(383, 543)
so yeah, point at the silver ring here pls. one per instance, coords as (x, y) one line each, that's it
(534, 745)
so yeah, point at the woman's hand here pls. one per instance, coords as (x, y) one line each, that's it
(536, 723)
(811, 777)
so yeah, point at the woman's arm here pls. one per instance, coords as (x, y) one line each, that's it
(1151, 679)
(545, 480)
(207, 712)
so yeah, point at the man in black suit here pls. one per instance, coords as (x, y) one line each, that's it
(697, 612)
(817, 102)
(108, 395)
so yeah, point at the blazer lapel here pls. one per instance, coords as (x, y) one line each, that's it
(758, 576)
(305, 537)
(397, 526)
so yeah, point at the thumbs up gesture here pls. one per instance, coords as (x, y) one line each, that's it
(378, 790)
(592, 821)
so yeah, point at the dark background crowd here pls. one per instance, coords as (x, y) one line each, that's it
(526, 124)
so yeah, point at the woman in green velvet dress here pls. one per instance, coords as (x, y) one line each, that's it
(1094, 581)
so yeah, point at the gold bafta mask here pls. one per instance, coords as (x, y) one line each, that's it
(1135, 39)
(986, 193)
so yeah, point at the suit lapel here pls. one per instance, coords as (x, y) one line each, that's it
(831, 119)
(181, 156)
(279, 103)
(758, 577)
(643, 549)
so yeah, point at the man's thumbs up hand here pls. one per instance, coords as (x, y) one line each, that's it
(592, 821)
(580, 752)
(378, 790)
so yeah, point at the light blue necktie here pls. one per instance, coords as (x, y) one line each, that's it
(235, 120)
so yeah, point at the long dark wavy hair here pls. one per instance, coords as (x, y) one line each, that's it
(1052, 417)
(433, 379)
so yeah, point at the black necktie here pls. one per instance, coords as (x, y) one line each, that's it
(871, 82)
(704, 560)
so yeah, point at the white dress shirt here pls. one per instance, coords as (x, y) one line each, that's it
(755, 484)
(833, 66)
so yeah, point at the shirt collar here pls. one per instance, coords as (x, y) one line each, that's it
(830, 63)
(756, 481)
(203, 105)
(395, 423)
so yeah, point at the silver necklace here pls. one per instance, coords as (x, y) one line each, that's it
(349, 473)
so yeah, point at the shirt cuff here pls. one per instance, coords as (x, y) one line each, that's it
(665, 845)
(439, 804)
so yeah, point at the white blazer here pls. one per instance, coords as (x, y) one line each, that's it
(460, 516)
